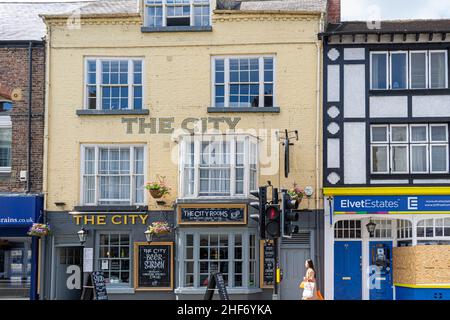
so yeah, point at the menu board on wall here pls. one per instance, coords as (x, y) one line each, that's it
(153, 266)
(212, 214)
(267, 264)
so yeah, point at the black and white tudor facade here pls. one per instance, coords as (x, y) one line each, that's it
(386, 111)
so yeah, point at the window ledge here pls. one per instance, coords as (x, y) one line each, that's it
(87, 112)
(119, 290)
(176, 29)
(110, 208)
(242, 110)
(214, 200)
(184, 290)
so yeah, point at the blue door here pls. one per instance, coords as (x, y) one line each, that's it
(347, 270)
(380, 275)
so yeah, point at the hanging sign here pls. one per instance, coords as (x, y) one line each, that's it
(153, 266)
(212, 214)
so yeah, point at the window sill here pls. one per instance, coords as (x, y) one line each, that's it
(86, 112)
(244, 110)
(213, 200)
(110, 208)
(184, 290)
(176, 29)
(119, 290)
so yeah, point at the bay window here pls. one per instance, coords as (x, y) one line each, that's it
(413, 148)
(112, 175)
(167, 13)
(113, 83)
(233, 253)
(243, 82)
(215, 166)
(433, 231)
(419, 69)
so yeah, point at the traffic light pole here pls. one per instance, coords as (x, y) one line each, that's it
(275, 252)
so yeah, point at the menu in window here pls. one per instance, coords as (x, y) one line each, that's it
(267, 263)
(153, 266)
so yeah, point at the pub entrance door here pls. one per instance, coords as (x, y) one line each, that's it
(69, 273)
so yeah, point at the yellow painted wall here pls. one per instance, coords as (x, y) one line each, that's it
(177, 83)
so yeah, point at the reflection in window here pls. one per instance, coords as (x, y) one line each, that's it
(114, 257)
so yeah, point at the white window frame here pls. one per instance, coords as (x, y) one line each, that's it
(380, 144)
(426, 69)
(434, 229)
(132, 174)
(337, 229)
(227, 78)
(406, 69)
(197, 150)
(164, 5)
(6, 123)
(446, 67)
(245, 233)
(98, 80)
(372, 53)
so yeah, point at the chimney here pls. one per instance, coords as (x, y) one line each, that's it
(334, 11)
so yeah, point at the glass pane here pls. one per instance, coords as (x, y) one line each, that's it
(399, 71)
(419, 134)
(438, 133)
(379, 71)
(379, 159)
(379, 134)
(399, 159)
(439, 158)
(438, 69)
(399, 134)
(418, 70)
(419, 158)
(5, 147)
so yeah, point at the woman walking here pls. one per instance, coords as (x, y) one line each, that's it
(309, 282)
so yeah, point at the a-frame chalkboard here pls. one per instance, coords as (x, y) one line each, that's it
(95, 287)
(216, 280)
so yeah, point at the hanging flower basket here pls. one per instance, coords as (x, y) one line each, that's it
(159, 228)
(296, 194)
(158, 189)
(39, 230)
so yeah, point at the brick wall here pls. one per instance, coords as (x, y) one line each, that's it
(334, 11)
(14, 76)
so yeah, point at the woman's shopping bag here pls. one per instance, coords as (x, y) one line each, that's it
(302, 285)
(308, 291)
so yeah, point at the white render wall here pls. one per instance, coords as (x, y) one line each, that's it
(389, 107)
(355, 153)
(351, 54)
(355, 91)
(431, 106)
(333, 154)
(333, 84)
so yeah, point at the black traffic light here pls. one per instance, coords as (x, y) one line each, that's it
(288, 215)
(261, 194)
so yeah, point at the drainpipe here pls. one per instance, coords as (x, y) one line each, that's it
(317, 147)
(30, 91)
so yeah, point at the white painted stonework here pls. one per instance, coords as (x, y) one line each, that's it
(333, 84)
(389, 107)
(333, 153)
(431, 106)
(355, 91)
(351, 54)
(355, 153)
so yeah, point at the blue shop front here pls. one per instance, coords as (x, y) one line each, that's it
(18, 251)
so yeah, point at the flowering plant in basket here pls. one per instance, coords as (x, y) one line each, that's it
(39, 230)
(159, 228)
(296, 194)
(158, 188)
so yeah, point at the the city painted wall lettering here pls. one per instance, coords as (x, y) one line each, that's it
(116, 219)
(167, 125)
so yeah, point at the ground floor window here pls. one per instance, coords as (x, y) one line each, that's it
(233, 253)
(347, 229)
(433, 231)
(114, 257)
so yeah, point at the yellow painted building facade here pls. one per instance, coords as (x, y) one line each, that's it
(178, 92)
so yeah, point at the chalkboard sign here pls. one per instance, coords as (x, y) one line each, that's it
(153, 266)
(267, 263)
(216, 280)
(212, 214)
(95, 287)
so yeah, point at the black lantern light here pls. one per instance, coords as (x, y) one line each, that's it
(371, 227)
(82, 234)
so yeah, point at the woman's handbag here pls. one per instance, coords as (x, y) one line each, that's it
(302, 285)
(308, 291)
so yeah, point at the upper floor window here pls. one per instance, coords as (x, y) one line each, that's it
(112, 175)
(413, 148)
(427, 69)
(217, 167)
(5, 136)
(166, 13)
(113, 83)
(243, 82)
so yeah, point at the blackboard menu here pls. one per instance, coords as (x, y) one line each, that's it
(99, 285)
(153, 266)
(212, 214)
(267, 261)
(216, 280)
